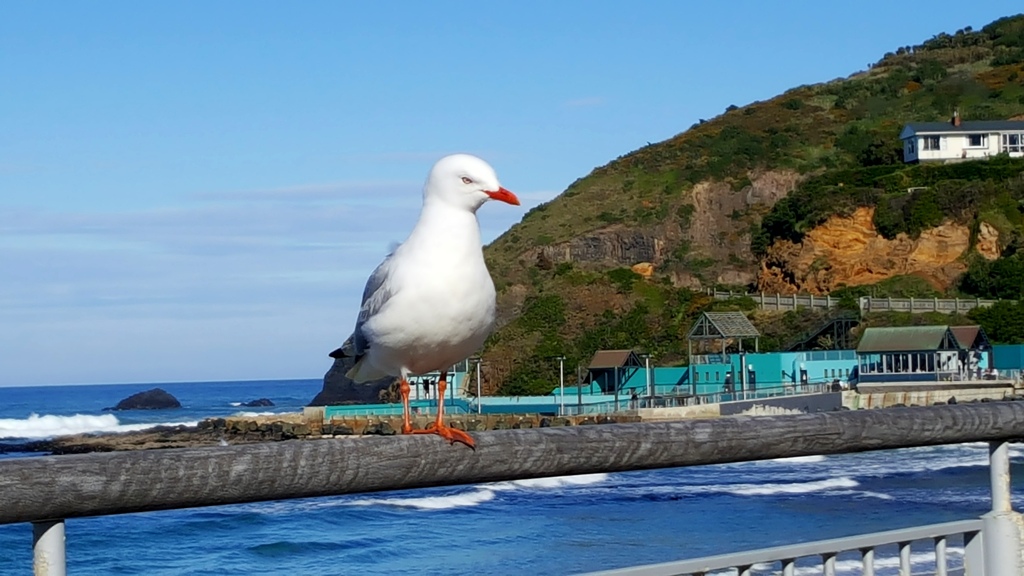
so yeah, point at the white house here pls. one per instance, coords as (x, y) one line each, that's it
(956, 140)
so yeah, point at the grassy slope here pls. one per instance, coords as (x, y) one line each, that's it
(814, 130)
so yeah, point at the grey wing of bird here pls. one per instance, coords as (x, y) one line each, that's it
(375, 294)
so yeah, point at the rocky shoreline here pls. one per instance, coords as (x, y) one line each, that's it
(278, 427)
(297, 426)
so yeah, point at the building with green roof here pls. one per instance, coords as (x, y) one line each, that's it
(922, 354)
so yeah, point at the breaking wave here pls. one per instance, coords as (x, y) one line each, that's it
(547, 483)
(482, 493)
(36, 427)
(463, 500)
(792, 488)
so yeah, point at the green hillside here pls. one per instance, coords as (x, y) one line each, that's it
(685, 204)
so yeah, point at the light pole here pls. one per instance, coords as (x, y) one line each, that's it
(479, 394)
(561, 382)
(650, 384)
(561, 385)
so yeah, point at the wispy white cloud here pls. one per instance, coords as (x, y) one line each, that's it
(272, 264)
(357, 192)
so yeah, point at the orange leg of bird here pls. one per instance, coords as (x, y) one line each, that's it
(403, 387)
(452, 435)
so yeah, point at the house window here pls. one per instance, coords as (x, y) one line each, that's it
(696, 376)
(977, 140)
(1012, 142)
(931, 142)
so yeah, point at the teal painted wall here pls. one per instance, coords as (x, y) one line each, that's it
(1008, 357)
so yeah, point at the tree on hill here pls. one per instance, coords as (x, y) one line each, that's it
(1001, 279)
(1003, 321)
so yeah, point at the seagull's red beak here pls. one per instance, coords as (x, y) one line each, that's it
(504, 196)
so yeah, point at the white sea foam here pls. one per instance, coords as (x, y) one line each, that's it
(462, 500)
(865, 493)
(255, 414)
(49, 425)
(798, 460)
(548, 483)
(482, 493)
(791, 488)
(234, 403)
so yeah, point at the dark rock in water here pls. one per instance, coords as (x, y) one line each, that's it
(338, 389)
(155, 399)
(257, 403)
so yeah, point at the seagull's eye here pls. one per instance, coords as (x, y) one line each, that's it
(466, 180)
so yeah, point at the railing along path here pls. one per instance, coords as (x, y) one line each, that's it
(866, 303)
(45, 490)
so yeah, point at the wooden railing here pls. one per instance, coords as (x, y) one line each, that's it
(866, 303)
(45, 490)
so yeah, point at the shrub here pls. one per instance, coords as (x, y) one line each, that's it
(543, 313)
(623, 279)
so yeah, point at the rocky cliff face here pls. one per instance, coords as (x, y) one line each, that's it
(612, 246)
(711, 222)
(848, 250)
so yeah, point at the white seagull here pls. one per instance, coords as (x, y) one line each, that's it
(430, 303)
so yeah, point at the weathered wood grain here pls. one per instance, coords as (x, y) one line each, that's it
(119, 482)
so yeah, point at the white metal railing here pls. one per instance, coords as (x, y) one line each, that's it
(991, 544)
(672, 400)
(822, 556)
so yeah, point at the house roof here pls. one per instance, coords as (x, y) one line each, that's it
(967, 126)
(907, 339)
(604, 359)
(970, 337)
(717, 325)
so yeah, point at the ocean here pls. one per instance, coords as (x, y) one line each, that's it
(559, 525)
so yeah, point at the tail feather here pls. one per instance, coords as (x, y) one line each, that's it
(362, 371)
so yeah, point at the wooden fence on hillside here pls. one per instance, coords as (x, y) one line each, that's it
(785, 302)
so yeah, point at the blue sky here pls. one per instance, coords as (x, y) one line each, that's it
(198, 190)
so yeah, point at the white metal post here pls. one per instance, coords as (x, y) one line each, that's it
(479, 397)
(561, 385)
(48, 555)
(1002, 526)
(650, 386)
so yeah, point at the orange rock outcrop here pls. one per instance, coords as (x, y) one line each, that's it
(848, 250)
(645, 269)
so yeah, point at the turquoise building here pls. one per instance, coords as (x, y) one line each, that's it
(1008, 360)
(616, 376)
